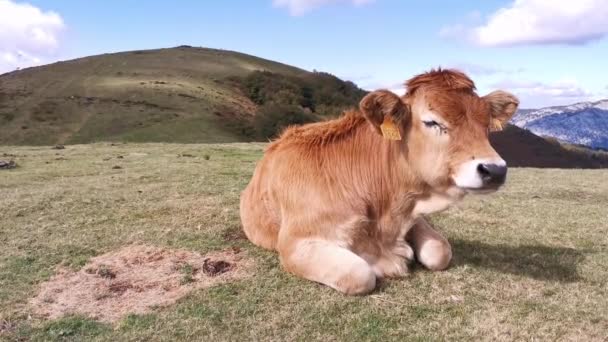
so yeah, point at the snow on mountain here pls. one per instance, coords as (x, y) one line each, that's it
(602, 104)
(584, 123)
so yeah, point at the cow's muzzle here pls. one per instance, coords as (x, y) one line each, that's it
(492, 175)
(481, 175)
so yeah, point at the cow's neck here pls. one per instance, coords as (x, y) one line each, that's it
(381, 171)
(377, 169)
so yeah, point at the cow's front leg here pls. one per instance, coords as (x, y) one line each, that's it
(393, 263)
(327, 263)
(432, 250)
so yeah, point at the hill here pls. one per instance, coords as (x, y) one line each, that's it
(522, 148)
(181, 94)
(584, 123)
(199, 95)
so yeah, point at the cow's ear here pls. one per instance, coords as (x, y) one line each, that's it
(382, 106)
(502, 107)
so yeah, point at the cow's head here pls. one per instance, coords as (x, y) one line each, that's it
(444, 128)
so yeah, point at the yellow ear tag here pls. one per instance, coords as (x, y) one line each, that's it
(389, 130)
(495, 125)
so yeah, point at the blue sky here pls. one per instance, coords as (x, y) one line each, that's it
(548, 52)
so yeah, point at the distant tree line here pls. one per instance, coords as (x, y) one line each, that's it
(285, 100)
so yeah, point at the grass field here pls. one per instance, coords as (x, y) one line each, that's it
(530, 261)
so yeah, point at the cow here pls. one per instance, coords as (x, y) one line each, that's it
(344, 201)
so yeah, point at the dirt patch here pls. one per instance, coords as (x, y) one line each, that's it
(234, 235)
(135, 279)
(215, 267)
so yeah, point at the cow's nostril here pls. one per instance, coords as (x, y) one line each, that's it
(492, 174)
(483, 171)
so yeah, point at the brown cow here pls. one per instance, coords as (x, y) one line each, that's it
(344, 205)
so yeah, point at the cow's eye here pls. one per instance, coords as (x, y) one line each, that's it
(435, 124)
(431, 123)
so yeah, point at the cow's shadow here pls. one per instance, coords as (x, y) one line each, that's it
(534, 261)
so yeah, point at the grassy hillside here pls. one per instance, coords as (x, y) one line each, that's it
(529, 263)
(181, 94)
(198, 95)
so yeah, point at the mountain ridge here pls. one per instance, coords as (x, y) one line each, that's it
(583, 123)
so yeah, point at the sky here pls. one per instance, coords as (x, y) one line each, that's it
(547, 52)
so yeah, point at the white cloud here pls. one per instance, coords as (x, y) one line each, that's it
(399, 90)
(560, 89)
(300, 7)
(534, 94)
(27, 34)
(530, 22)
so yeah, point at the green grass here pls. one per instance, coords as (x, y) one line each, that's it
(530, 261)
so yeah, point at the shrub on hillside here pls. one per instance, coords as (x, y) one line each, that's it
(319, 92)
(285, 100)
(265, 87)
(271, 119)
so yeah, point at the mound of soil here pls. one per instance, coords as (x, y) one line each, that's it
(135, 279)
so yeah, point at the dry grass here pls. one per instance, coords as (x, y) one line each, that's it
(530, 261)
(134, 280)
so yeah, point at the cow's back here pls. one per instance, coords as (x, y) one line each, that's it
(259, 219)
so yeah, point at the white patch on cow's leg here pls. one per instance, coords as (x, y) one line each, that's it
(392, 258)
(435, 254)
(432, 250)
(327, 263)
(467, 176)
(393, 262)
(404, 250)
(390, 266)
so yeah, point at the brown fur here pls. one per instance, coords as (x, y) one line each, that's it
(440, 79)
(342, 205)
